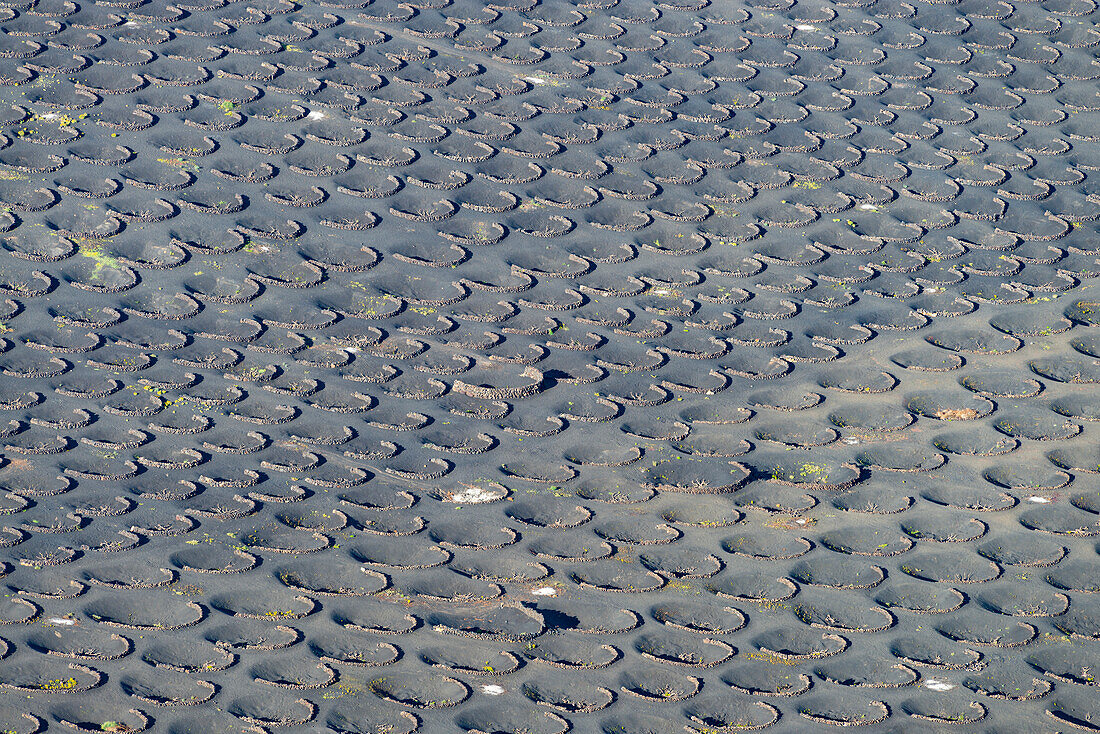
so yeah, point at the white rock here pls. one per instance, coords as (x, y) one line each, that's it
(316, 115)
(545, 591)
(938, 685)
(491, 689)
(805, 27)
(1039, 500)
(473, 496)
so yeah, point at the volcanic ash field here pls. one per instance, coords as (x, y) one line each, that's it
(608, 367)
